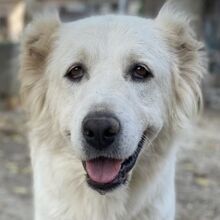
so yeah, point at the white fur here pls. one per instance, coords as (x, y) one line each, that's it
(163, 104)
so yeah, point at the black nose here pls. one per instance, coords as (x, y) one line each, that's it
(100, 130)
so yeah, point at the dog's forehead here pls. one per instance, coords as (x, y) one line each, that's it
(110, 32)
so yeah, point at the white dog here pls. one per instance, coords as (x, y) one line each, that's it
(107, 97)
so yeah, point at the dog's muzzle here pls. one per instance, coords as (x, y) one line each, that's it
(105, 171)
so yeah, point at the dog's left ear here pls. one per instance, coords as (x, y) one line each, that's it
(36, 46)
(189, 60)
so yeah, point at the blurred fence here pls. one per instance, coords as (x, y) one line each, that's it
(9, 69)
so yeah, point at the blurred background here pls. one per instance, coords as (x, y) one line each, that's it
(198, 168)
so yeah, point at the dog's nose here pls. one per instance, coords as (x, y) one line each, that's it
(100, 130)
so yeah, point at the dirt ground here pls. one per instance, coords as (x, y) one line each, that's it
(197, 181)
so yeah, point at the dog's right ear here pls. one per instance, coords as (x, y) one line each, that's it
(189, 60)
(36, 46)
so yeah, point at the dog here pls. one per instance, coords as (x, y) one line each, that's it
(107, 98)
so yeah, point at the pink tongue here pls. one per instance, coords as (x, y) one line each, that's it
(103, 170)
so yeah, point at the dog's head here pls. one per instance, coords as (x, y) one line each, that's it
(109, 85)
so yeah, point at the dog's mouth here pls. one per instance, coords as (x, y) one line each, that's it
(105, 174)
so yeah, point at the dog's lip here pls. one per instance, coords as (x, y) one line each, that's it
(121, 177)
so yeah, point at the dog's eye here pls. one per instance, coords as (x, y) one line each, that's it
(140, 72)
(75, 73)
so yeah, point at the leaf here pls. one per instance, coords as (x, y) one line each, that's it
(202, 181)
(12, 167)
(20, 190)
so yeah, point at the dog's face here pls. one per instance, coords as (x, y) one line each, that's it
(112, 86)
(110, 90)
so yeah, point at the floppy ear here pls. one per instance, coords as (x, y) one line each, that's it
(189, 61)
(36, 46)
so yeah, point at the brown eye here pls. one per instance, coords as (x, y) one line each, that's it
(75, 73)
(140, 72)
